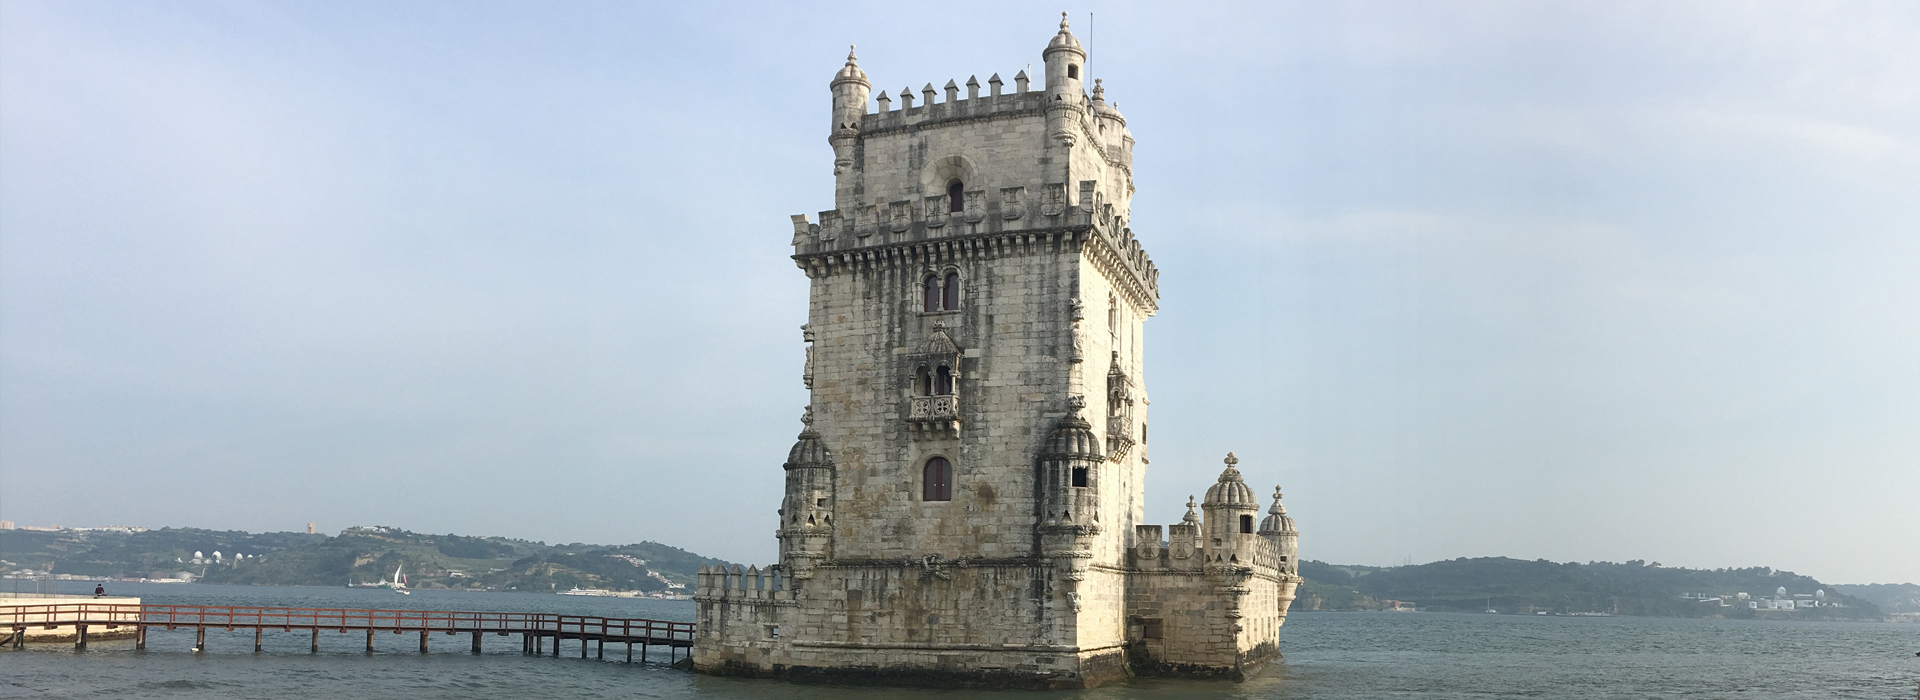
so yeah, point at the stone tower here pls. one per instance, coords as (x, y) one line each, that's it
(965, 500)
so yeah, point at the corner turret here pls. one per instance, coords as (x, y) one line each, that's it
(1229, 507)
(850, 89)
(1278, 528)
(806, 514)
(1065, 61)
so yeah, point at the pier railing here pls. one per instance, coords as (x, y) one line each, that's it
(532, 626)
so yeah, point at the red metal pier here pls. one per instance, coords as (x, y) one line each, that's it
(535, 629)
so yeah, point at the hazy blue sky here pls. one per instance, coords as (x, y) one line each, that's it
(1576, 281)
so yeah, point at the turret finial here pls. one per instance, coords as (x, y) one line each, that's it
(807, 417)
(1192, 517)
(1232, 460)
(1277, 509)
(1099, 92)
(1063, 21)
(851, 59)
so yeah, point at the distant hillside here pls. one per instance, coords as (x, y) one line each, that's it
(152, 554)
(1513, 585)
(1891, 597)
(359, 555)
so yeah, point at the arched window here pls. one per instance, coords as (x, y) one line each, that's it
(942, 381)
(956, 196)
(950, 300)
(932, 301)
(924, 381)
(936, 480)
(1073, 71)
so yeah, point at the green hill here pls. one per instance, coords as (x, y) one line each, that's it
(1891, 597)
(359, 555)
(1513, 585)
(152, 554)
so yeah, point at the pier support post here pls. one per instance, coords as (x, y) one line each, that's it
(556, 644)
(316, 641)
(539, 645)
(476, 641)
(423, 641)
(583, 646)
(257, 631)
(600, 649)
(369, 640)
(140, 638)
(629, 651)
(643, 651)
(199, 639)
(80, 638)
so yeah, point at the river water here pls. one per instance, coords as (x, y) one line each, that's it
(1329, 656)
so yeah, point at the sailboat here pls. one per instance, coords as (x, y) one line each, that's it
(399, 582)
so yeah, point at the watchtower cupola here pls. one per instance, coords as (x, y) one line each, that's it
(1229, 507)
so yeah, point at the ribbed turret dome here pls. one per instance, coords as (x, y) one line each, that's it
(1073, 437)
(851, 71)
(809, 450)
(1277, 520)
(1065, 40)
(1100, 105)
(1231, 490)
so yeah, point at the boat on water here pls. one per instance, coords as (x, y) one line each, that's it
(576, 590)
(399, 582)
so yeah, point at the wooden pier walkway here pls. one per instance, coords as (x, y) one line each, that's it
(536, 630)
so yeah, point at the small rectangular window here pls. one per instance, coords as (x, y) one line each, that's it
(1246, 524)
(1151, 629)
(1080, 476)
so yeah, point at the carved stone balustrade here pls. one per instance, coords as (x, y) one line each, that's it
(935, 414)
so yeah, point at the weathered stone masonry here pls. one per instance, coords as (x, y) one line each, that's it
(965, 500)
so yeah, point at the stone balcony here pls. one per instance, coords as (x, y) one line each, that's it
(935, 414)
(1119, 437)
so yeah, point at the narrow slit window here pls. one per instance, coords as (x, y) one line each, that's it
(937, 480)
(950, 298)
